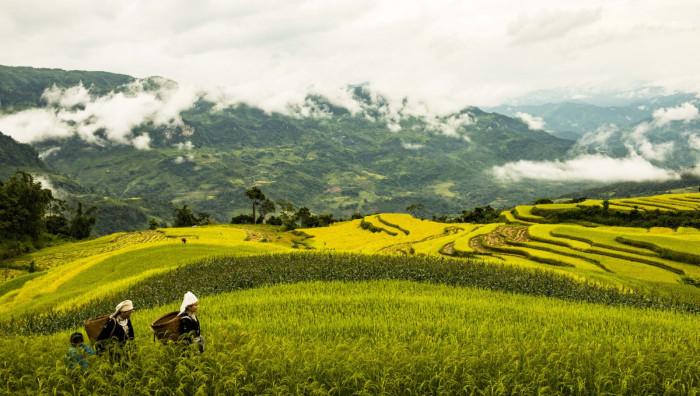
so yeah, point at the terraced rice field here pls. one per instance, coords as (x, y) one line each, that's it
(662, 203)
(467, 314)
(91, 269)
(619, 256)
(384, 337)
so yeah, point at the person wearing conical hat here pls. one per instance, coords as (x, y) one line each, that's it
(118, 329)
(189, 323)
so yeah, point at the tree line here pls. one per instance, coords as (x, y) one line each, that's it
(30, 216)
(263, 211)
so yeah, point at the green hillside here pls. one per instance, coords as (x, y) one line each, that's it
(340, 163)
(22, 87)
(14, 156)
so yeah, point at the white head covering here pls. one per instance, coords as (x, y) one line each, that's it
(189, 299)
(123, 306)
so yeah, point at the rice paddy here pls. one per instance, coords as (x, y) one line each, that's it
(365, 325)
(384, 337)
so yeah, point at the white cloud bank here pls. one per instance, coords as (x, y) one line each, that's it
(684, 112)
(74, 111)
(446, 53)
(590, 168)
(533, 122)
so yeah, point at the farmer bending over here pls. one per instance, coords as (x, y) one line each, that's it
(189, 324)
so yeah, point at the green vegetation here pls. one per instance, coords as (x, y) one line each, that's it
(366, 225)
(217, 275)
(22, 87)
(30, 217)
(385, 337)
(678, 248)
(306, 160)
(14, 156)
(392, 225)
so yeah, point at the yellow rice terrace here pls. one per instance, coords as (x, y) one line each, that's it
(384, 304)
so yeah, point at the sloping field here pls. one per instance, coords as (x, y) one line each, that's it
(394, 233)
(629, 254)
(600, 254)
(58, 255)
(113, 263)
(524, 213)
(683, 246)
(464, 244)
(662, 203)
(385, 337)
(659, 260)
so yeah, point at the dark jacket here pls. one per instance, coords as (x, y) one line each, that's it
(189, 327)
(113, 331)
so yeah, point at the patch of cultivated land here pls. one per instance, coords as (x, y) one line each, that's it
(387, 337)
(115, 262)
(384, 304)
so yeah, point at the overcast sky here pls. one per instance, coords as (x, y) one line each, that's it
(447, 54)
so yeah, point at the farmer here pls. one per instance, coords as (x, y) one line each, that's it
(78, 352)
(189, 324)
(117, 330)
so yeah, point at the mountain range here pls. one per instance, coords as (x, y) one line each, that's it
(138, 147)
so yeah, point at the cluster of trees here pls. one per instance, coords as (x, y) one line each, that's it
(483, 215)
(633, 218)
(184, 217)
(263, 211)
(289, 216)
(28, 212)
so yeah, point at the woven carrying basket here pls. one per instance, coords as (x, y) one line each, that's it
(94, 326)
(167, 327)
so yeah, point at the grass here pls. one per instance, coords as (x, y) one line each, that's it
(663, 203)
(405, 232)
(629, 265)
(524, 213)
(115, 264)
(683, 247)
(600, 236)
(63, 253)
(385, 337)
(218, 275)
(322, 321)
(593, 253)
(436, 245)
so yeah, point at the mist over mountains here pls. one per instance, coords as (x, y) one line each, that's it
(144, 145)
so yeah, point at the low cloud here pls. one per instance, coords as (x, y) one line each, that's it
(142, 142)
(35, 125)
(589, 168)
(655, 152)
(181, 159)
(451, 125)
(47, 184)
(694, 142)
(533, 122)
(48, 152)
(684, 112)
(96, 119)
(597, 139)
(187, 146)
